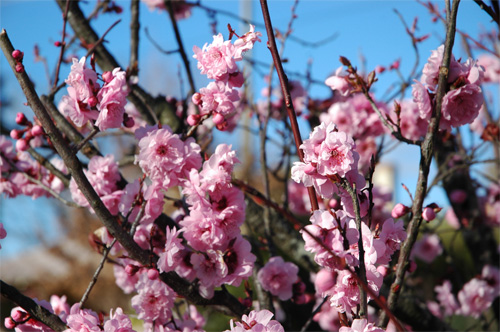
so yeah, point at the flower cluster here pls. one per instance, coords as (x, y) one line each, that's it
(462, 103)
(474, 298)
(212, 229)
(103, 175)
(218, 61)
(278, 277)
(16, 167)
(87, 100)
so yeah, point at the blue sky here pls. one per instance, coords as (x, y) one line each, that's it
(367, 28)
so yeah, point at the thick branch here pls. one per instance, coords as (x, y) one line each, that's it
(426, 152)
(32, 308)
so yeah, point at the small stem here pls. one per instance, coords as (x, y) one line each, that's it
(315, 311)
(185, 60)
(63, 46)
(100, 40)
(48, 165)
(96, 273)
(80, 144)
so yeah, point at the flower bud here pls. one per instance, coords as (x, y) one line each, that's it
(92, 101)
(21, 119)
(37, 130)
(19, 315)
(16, 134)
(57, 44)
(18, 55)
(218, 118)
(153, 274)
(193, 119)
(19, 68)
(428, 214)
(399, 211)
(334, 204)
(22, 145)
(107, 76)
(383, 270)
(196, 98)
(128, 121)
(131, 269)
(9, 323)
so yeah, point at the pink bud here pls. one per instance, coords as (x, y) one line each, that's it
(131, 269)
(383, 270)
(379, 69)
(428, 214)
(193, 119)
(37, 130)
(107, 76)
(92, 101)
(458, 196)
(9, 323)
(21, 119)
(309, 169)
(22, 145)
(218, 118)
(18, 55)
(19, 315)
(57, 44)
(128, 121)
(19, 68)
(16, 134)
(334, 204)
(196, 98)
(399, 211)
(153, 274)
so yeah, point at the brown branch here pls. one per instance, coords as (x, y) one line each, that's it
(286, 93)
(63, 46)
(32, 308)
(426, 152)
(179, 285)
(489, 10)
(134, 37)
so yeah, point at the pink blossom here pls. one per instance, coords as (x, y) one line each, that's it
(412, 125)
(173, 247)
(218, 97)
(475, 298)
(399, 211)
(427, 248)
(462, 105)
(7, 151)
(75, 110)
(278, 277)
(428, 214)
(257, 321)
(392, 235)
(118, 322)
(82, 80)
(491, 275)
(165, 158)
(60, 306)
(210, 269)
(491, 64)
(328, 317)
(154, 301)
(123, 279)
(246, 42)
(339, 82)
(324, 281)
(82, 320)
(430, 73)
(218, 168)
(361, 325)
(216, 60)
(422, 99)
(112, 100)
(446, 298)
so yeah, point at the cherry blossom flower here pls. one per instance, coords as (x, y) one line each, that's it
(118, 322)
(154, 301)
(112, 101)
(491, 64)
(165, 158)
(82, 320)
(427, 248)
(475, 297)
(216, 60)
(246, 42)
(173, 247)
(462, 105)
(278, 277)
(339, 82)
(446, 298)
(258, 321)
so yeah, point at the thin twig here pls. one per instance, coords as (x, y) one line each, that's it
(100, 40)
(313, 313)
(82, 143)
(134, 36)
(96, 273)
(63, 46)
(48, 165)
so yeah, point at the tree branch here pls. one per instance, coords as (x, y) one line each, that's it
(32, 308)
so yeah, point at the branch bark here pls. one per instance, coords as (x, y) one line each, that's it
(426, 153)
